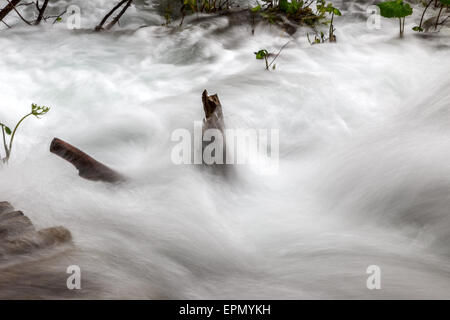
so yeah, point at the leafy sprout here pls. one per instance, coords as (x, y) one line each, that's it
(262, 54)
(36, 111)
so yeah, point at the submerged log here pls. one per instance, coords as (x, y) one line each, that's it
(19, 236)
(88, 167)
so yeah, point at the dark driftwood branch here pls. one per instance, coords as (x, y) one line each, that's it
(88, 167)
(8, 8)
(117, 6)
(116, 19)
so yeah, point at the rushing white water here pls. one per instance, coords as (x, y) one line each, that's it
(364, 175)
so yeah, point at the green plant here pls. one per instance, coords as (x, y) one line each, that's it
(290, 7)
(256, 8)
(396, 9)
(298, 11)
(317, 40)
(324, 8)
(263, 54)
(36, 111)
(204, 6)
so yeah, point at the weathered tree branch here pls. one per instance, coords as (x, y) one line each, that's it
(8, 8)
(88, 167)
(116, 19)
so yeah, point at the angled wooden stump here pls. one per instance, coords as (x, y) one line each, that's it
(213, 119)
(88, 167)
(213, 112)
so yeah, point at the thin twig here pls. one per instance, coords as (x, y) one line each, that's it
(14, 8)
(6, 24)
(58, 16)
(24, 4)
(423, 13)
(276, 56)
(4, 143)
(443, 21)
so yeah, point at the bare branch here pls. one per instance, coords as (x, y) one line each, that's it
(8, 8)
(117, 6)
(41, 11)
(57, 17)
(116, 19)
(276, 56)
(18, 13)
(25, 4)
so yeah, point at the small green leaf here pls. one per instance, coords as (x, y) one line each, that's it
(337, 12)
(261, 54)
(7, 130)
(256, 9)
(418, 29)
(395, 9)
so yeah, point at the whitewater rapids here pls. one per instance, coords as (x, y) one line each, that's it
(364, 176)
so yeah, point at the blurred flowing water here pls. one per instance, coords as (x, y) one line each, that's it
(364, 175)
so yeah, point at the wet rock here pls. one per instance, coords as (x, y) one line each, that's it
(19, 236)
